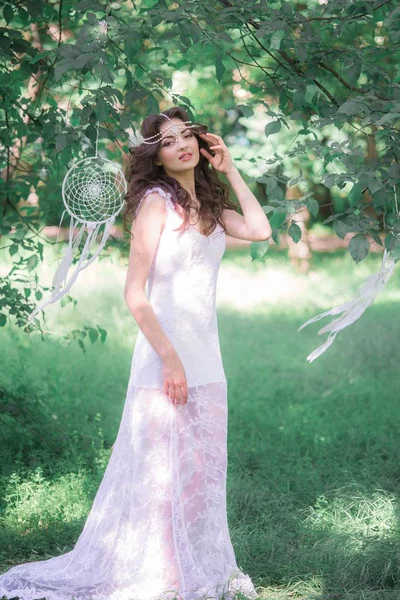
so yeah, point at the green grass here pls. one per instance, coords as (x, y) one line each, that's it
(313, 473)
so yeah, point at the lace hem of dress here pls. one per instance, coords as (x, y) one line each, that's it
(158, 526)
(237, 583)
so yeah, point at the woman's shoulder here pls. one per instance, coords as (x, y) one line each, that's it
(156, 197)
(158, 191)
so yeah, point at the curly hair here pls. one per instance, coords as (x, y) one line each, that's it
(142, 173)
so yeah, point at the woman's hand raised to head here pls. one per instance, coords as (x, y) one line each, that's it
(222, 160)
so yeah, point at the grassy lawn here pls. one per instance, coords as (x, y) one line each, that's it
(313, 475)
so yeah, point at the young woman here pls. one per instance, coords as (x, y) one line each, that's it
(158, 526)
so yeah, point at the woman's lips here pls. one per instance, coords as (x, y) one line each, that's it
(186, 157)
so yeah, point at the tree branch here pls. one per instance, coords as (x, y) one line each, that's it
(347, 85)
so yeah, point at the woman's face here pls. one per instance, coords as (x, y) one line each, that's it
(173, 145)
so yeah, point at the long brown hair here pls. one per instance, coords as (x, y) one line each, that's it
(142, 173)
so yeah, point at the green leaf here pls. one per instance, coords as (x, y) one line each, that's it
(39, 56)
(32, 262)
(313, 206)
(93, 334)
(358, 247)
(13, 249)
(340, 228)
(392, 116)
(103, 334)
(352, 72)
(375, 236)
(101, 110)
(219, 68)
(125, 122)
(3, 320)
(8, 13)
(267, 208)
(276, 39)
(311, 91)
(258, 249)
(351, 108)
(373, 184)
(61, 141)
(295, 232)
(81, 61)
(394, 171)
(355, 194)
(93, 20)
(272, 127)
(152, 105)
(329, 180)
(277, 219)
(395, 254)
(380, 198)
(62, 67)
(390, 242)
(246, 110)
(271, 185)
(301, 52)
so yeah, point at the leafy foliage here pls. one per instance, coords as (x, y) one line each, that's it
(323, 78)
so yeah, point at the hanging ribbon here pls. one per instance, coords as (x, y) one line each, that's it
(354, 309)
(60, 276)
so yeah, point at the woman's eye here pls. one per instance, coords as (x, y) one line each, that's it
(190, 135)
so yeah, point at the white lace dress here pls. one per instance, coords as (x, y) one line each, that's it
(158, 524)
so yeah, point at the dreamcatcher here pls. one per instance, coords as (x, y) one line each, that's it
(93, 193)
(353, 310)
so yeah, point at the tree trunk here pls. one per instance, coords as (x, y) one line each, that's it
(300, 253)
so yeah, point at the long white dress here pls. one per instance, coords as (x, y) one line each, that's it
(158, 524)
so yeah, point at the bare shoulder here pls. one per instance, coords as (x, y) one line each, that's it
(152, 202)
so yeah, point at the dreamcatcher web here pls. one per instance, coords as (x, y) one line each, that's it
(93, 193)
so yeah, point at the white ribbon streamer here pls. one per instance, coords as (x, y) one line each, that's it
(354, 309)
(60, 276)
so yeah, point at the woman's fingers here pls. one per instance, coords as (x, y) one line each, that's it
(181, 394)
(212, 138)
(176, 392)
(171, 392)
(206, 154)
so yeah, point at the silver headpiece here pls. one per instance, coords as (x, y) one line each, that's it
(175, 128)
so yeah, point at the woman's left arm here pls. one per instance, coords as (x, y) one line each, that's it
(253, 225)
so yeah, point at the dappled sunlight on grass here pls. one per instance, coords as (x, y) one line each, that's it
(359, 516)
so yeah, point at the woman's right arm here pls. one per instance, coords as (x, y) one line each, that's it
(146, 230)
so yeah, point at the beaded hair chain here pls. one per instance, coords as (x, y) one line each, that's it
(175, 128)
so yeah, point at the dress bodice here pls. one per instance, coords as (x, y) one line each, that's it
(181, 288)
